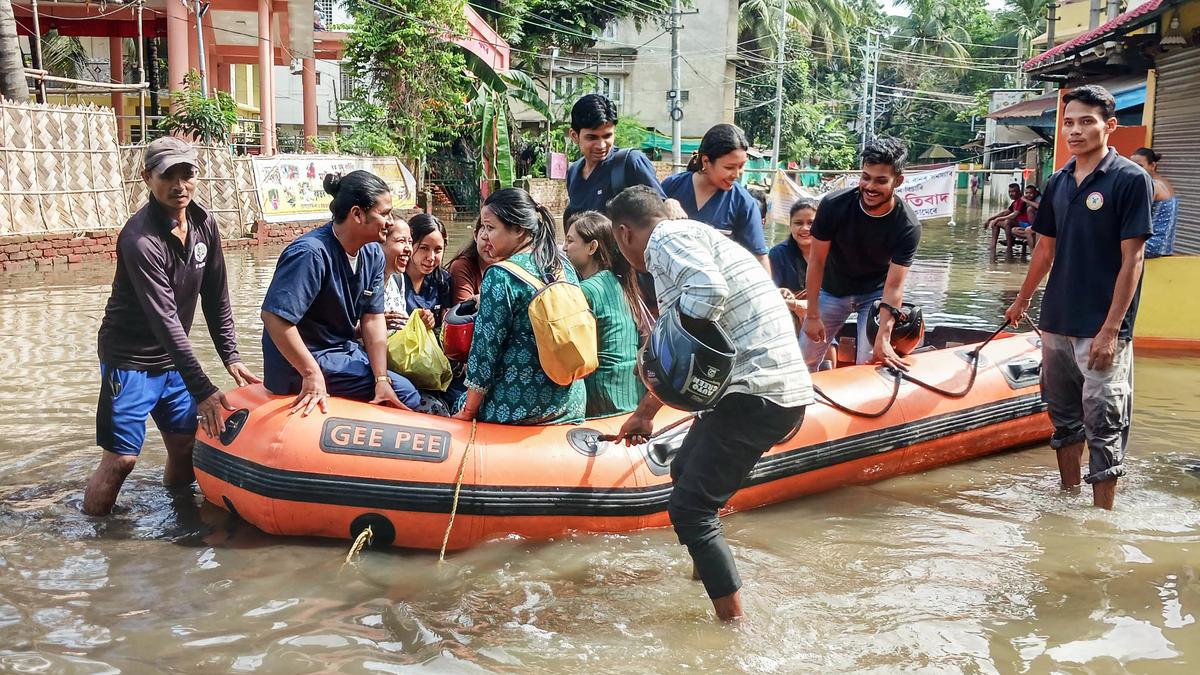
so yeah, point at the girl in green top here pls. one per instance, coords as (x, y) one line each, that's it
(611, 290)
(505, 381)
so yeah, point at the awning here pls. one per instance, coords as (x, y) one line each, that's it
(1134, 18)
(1041, 112)
(657, 141)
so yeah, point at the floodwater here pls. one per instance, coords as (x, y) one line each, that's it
(985, 566)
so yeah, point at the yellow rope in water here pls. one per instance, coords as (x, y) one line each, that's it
(363, 539)
(462, 467)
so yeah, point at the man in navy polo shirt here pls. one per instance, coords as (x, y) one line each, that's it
(168, 258)
(603, 171)
(1094, 220)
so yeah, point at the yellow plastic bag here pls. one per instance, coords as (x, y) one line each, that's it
(414, 352)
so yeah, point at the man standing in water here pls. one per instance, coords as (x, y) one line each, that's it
(1094, 219)
(864, 241)
(168, 257)
(707, 276)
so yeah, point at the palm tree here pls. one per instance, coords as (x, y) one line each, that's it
(933, 28)
(12, 66)
(827, 22)
(1026, 19)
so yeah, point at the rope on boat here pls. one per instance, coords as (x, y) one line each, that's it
(363, 539)
(462, 467)
(899, 375)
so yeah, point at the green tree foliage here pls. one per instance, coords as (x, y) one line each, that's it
(1024, 19)
(534, 25)
(824, 25)
(413, 90)
(208, 120)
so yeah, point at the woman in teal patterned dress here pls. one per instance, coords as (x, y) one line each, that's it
(505, 381)
(611, 290)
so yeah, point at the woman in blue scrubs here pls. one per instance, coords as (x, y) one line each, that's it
(429, 287)
(326, 282)
(709, 190)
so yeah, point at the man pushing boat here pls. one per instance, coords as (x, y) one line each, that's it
(724, 344)
(168, 258)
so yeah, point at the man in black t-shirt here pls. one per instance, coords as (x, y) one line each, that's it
(864, 241)
(1094, 219)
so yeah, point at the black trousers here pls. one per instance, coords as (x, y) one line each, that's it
(716, 456)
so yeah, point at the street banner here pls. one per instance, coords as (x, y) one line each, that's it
(930, 193)
(290, 186)
(784, 193)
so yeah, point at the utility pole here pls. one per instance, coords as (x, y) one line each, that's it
(874, 84)
(863, 103)
(201, 10)
(673, 97)
(550, 105)
(782, 47)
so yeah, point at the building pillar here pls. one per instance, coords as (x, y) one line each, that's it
(224, 83)
(116, 62)
(266, 75)
(193, 46)
(177, 45)
(310, 102)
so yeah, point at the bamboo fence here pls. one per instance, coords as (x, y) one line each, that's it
(60, 169)
(225, 186)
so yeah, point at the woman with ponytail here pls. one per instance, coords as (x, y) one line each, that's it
(709, 190)
(505, 380)
(325, 283)
(610, 286)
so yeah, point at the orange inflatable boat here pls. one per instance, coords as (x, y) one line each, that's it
(332, 475)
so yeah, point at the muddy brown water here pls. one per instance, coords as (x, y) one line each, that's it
(984, 566)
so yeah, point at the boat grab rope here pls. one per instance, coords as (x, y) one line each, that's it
(899, 375)
(462, 467)
(363, 539)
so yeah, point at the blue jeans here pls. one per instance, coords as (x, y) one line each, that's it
(834, 312)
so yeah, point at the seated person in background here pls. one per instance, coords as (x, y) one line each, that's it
(1022, 229)
(325, 283)
(397, 249)
(505, 380)
(467, 268)
(789, 258)
(1006, 218)
(428, 290)
(610, 286)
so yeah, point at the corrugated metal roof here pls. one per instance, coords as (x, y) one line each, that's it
(1093, 35)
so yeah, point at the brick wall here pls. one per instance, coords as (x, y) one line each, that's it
(26, 251)
(549, 193)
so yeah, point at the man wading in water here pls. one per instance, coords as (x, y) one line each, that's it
(168, 257)
(702, 274)
(1094, 219)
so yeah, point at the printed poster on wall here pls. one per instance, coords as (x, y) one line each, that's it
(784, 193)
(290, 186)
(558, 165)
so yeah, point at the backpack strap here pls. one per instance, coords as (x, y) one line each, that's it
(528, 277)
(616, 177)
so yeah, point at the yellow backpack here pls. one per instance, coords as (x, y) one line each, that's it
(563, 326)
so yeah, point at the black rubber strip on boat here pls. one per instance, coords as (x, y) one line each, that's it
(399, 495)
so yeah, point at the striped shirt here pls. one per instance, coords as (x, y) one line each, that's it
(714, 278)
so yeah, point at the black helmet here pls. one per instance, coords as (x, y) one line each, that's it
(686, 362)
(907, 332)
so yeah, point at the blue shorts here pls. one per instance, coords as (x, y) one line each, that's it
(128, 397)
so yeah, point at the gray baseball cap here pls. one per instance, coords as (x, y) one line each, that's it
(164, 153)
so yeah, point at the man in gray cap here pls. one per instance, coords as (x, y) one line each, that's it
(168, 257)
